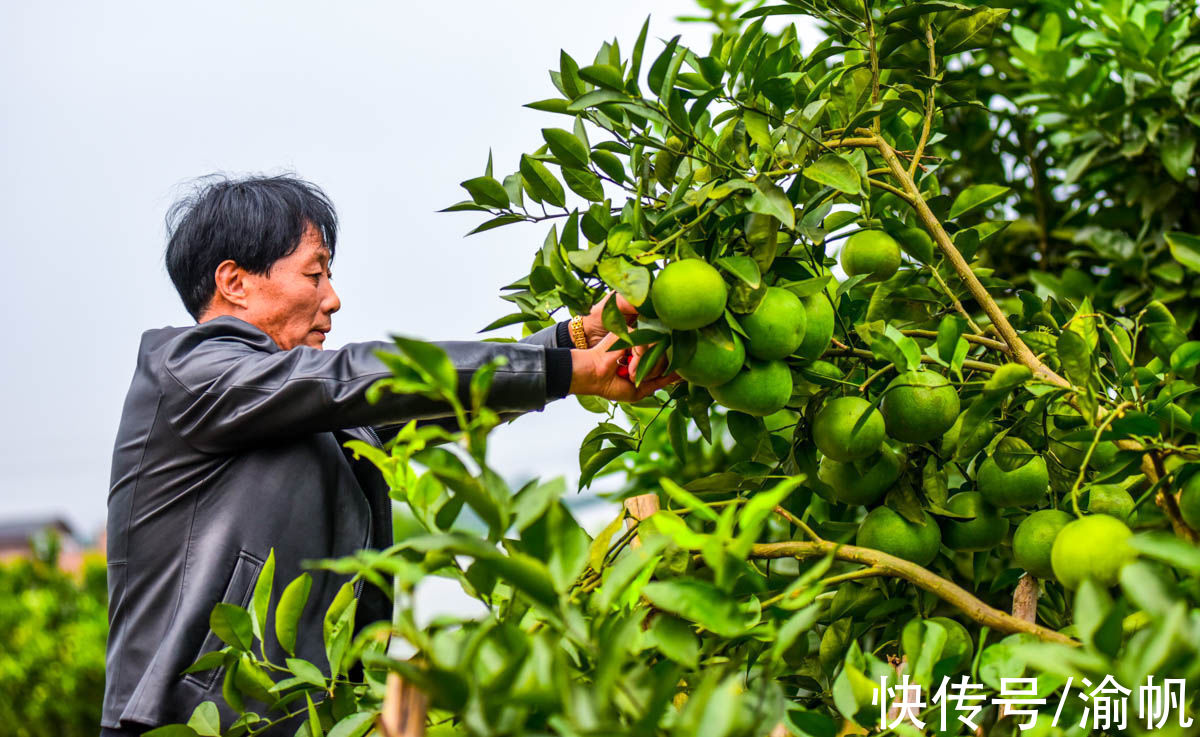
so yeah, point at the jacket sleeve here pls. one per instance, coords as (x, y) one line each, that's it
(226, 388)
(555, 336)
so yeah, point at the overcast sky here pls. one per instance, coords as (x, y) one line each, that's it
(110, 107)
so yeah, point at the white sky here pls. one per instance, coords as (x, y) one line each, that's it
(108, 107)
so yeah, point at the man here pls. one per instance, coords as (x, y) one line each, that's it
(230, 441)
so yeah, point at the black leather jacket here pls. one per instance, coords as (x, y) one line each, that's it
(228, 447)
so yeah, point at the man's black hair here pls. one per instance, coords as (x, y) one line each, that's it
(255, 221)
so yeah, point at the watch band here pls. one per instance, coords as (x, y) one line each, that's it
(578, 336)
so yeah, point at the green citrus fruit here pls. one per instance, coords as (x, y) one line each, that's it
(818, 331)
(1023, 486)
(776, 327)
(958, 646)
(1095, 547)
(984, 532)
(919, 406)
(1110, 499)
(872, 252)
(821, 373)
(847, 429)
(862, 481)
(718, 357)
(688, 294)
(1189, 502)
(1035, 537)
(1071, 452)
(884, 529)
(762, 388)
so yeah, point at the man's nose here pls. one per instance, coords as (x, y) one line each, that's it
(332, 302)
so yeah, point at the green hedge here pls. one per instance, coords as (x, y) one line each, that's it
(53, 626)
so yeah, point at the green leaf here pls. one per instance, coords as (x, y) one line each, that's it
(287, 612)
(486, 191)
(609, 164)
(206, 720)
(306, 672)
(600, 545)
(769, 199)
(757, 128)
(973, 31)
(541, 182)
(172, 730)
(1005, 379)
(915, 241)
(261, 600)
(603, 75)
(949, 331)
(232, 624)
(314, 721)
(687, 500)
(355, 725)
(497, 222)
(632, 281)
(1177, 153)
(1165, 547)
(566, 147)
(976, 196)
(432, 361)
(675, 639)
(743, 267)
(835, 171)
(702, 603)
(525, 574)
(1185, 248)
(1186, 357)
(1076, 357)
(594, 98)
(584, 183)
(207, 661)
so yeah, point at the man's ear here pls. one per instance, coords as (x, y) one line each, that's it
(231, 284)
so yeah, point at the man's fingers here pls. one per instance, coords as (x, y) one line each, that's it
(627, 309)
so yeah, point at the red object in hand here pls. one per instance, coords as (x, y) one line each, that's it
(623, 366)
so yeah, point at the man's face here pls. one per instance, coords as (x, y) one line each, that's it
(294, 302)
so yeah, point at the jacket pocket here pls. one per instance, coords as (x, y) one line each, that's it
(238, 591)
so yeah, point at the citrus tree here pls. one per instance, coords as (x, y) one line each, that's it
(911, 447)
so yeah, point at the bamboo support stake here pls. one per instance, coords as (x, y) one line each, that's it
(639, 507)
(404, 707)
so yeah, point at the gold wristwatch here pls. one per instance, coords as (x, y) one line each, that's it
(578, 336)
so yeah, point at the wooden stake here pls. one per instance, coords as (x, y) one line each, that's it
(639, 507)
(404, 708)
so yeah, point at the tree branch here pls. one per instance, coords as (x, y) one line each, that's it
(890, 565)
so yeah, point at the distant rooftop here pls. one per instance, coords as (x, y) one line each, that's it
(14, 533)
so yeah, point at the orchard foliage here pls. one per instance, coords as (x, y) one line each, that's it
(1028, 352)
(52, 625)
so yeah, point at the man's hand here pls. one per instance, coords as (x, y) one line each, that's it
(593, 322)
(595, 372)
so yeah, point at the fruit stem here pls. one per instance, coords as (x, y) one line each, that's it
(861, 353)
(921, 577)
(929, 105)
(862, 388)
(1087, 457)
(889, 188)
(798, 523)
(995, 345)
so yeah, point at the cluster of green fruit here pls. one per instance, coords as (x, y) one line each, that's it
(747, 371)
(918, 406)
